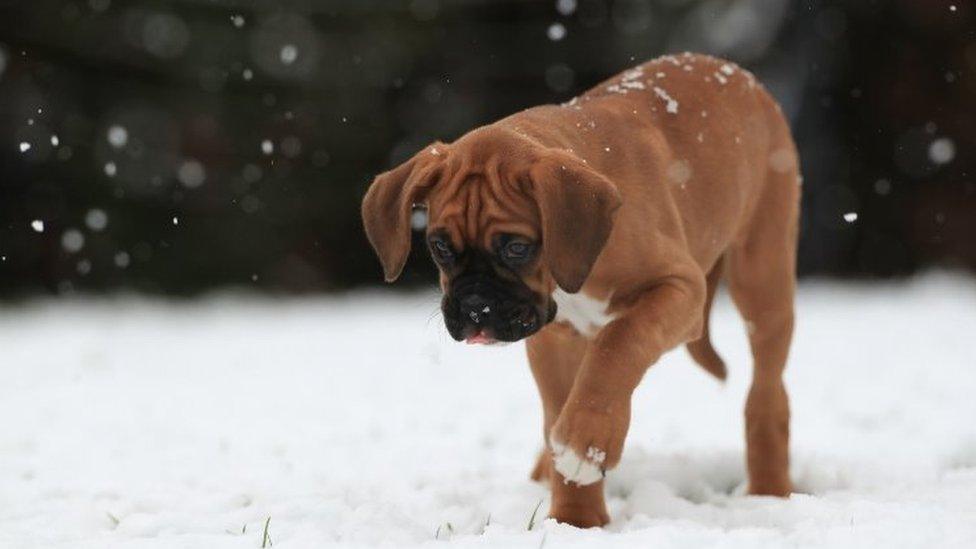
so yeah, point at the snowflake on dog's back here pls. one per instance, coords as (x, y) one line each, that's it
(671, 103)
(629, 80)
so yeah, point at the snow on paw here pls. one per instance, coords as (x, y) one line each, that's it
(586, 441)
(582, 470)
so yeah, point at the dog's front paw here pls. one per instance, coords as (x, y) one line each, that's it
(586, 443)
(580, 516)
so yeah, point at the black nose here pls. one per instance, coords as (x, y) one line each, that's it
(475, 308)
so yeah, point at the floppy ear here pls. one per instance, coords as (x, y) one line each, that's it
(577, 207)
(389, 202)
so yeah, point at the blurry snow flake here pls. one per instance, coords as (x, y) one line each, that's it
(84, 267)
(291, 146)
(559, 77)
(556, 32)
(247, 74)
(432, 94)
(942, 151)
(632, 16)
(110, 169)
(55, 141)
(882, 186)
(267, 147)
(288, 54)
(287, 46)
(250, 204)
(96, 219)
(418, 219)
(743, 30)
(176, 220)
(191, 173)
(117, 136)
(850, 217)
(72, 241)
(252, 173)
(99, 5)
(237, 20)
(165, 35)
(24, 146)
(37, 225)
(565, 7)
(952, 7)
(679, 172)
(320, 158)
(121, 260)
(424, 10)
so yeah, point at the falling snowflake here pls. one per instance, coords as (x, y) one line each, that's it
(121, 260)
(566, 7)
(117, 136)
(288, 54)
(191, 173)
(24, 146)
(72, 241)
(942, 151)
(850, 217)
(37, 225)
(556, 32)
(96, 219)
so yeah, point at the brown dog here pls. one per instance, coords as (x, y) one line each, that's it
(599, 229)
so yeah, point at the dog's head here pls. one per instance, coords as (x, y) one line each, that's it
(508, 220)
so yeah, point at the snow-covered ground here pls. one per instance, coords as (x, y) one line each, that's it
(356, 421)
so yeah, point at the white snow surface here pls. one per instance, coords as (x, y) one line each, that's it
(355, 421)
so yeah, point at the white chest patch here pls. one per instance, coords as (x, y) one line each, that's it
(586, 314)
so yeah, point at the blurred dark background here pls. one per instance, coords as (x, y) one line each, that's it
(186, 145)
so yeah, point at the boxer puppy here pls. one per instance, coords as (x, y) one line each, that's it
(598, 231)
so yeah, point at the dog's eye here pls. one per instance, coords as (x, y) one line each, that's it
(441, 249)
(516, 251)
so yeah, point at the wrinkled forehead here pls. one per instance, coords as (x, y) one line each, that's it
(474, 207)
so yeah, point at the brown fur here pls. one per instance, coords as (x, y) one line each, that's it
(642, 202)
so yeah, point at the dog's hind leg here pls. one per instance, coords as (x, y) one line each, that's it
(555, 355)
(701, 349)
(762, 281)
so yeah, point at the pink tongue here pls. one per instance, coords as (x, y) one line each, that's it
(479, 337)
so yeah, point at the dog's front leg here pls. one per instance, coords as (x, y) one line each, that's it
(588, 437)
